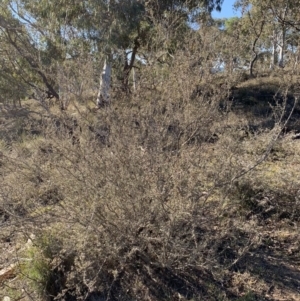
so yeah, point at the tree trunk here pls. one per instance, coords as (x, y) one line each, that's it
(281, 48)
(128, 67)
(274, 58)
(134, 79)
(103, 97)
(258, 34)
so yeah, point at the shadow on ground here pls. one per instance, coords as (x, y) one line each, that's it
(277, 270)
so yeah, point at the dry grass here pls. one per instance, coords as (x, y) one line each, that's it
(159, 196)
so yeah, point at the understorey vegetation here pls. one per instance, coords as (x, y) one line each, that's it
(179, 180)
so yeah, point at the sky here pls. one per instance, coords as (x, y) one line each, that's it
(227, 10)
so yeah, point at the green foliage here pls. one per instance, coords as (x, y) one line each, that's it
(250, 296)
(37, 270)
(89, 28)
(231, 24)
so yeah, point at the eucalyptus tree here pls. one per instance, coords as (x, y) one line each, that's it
(286, 12)
(277, 18)
(286, 16)
(60, 30)
(135, 25)
(234, 34)
(251, 26)
(20, 56)
(12, 86)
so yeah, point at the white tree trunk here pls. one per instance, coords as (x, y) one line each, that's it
(297, 56)
(281, 47)
(274, 50)
(133, 79)
(103, 97)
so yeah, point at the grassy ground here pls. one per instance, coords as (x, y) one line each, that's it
(158, 197)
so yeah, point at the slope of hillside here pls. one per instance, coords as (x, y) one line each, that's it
(158, 196)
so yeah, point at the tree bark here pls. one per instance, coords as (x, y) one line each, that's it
(128, 67)
(103, 97)
(274, 58)
(258, 34)
(281, 48)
